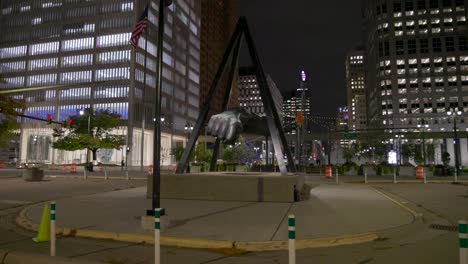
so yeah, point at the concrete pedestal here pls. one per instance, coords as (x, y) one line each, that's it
(147, 222)
(229, 186)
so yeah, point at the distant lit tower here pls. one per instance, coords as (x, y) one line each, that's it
(301, 121)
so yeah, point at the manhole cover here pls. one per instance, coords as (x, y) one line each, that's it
(444, 227)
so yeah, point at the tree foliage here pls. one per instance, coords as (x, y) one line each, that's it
(98, 136)
(9, 110)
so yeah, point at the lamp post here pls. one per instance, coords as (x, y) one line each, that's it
(423, 125)
(454, 112)
(156, 195)
(188, 128)
(256, 152)
(82, 113)
(399, 137)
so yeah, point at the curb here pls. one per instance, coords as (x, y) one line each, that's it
(228, 247)
(20, 257)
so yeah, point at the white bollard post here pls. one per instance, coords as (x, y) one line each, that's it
(424, 177)
(85, 176)
(365, 177)
(394, 177)
(52, 229)
(157, 234)
(292, 238)
(463, 241)
(106, 177)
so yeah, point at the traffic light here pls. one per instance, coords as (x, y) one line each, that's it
(49, 118)
(69, 123)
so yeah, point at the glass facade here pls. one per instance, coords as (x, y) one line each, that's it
(83, 46)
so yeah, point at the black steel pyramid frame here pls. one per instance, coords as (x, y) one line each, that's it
(278, 137)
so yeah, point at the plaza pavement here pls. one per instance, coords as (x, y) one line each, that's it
(332, 211)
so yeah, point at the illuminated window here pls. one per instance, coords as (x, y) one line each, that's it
(78, 44)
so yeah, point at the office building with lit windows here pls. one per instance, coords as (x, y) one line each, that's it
(356, 94)
(416, 56)
(80, 50)
(250, 98)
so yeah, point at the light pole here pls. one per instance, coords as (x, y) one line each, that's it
(454, 112)
(156, 195)
(188, 128)
(424, 125)
(82, 113)
(399, 157)
(256, 152)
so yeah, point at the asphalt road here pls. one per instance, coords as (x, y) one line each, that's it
(413, 243)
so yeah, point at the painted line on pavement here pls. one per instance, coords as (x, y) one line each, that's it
(412, 212)
(235, 246)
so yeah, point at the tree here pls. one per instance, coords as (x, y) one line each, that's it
(9, 110)
(76, 137)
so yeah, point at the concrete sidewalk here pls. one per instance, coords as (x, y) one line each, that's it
(333, 210)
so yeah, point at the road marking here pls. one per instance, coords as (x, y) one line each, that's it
(415, 215)
(14, 202)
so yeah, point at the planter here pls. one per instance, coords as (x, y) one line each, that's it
(195, 169)
(33, 174)
(241, 168)
(369, 170)
(351, 172)
(408, 171)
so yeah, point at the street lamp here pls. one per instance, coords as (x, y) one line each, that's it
(188, 128)
(454, 112)
(399, 137)
(423, 125)
(156, 195)
(82, 113)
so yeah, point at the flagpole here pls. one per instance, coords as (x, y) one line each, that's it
(143, 119)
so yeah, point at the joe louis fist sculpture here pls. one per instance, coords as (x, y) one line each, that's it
(228, 125)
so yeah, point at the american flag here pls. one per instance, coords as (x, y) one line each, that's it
(139, 28)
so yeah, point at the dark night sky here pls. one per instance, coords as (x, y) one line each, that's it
(306, 35)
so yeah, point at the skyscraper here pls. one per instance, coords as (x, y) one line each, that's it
(82, 50)
(356, 94)
(416, 56)
(250, 98)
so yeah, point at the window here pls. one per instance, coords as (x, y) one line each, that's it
(77, 60)
(113, 74)
(113, 40)
(12, 52)
(44, 48)
(42, 79)
(13, 66)
(462, 43)
(400, 47)
(76, 77)
(42, 64)
(114, 56)
(421, 4)
(461, 20)
(436, 45)
(449, 44)
(77, 44)
(411, 46)
(424, 45)
(434, 3)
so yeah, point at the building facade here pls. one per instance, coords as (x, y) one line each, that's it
(250, 98)
(78, 52)
(416, 55)
(356, 93)
(219, 18)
